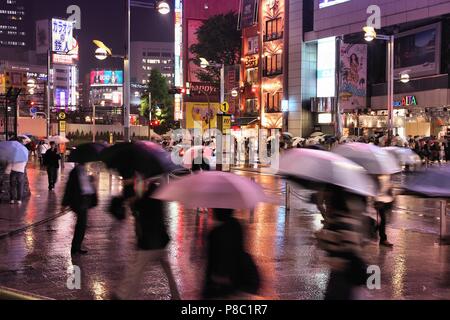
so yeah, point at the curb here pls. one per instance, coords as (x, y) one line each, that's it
(14, 232)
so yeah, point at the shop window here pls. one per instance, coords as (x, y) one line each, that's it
(273, 65)
(251, 75)
(274, 29)
(251, 107)
(273, 102)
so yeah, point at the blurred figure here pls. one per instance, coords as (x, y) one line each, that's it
(41, 150)
(229, 268)
(152, 240)
(384, 202)
(80, 195)
(51, 161)
(16, 181)
(341, 238)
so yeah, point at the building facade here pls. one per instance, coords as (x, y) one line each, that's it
(13, 23)
(342, 78)
(147, 56)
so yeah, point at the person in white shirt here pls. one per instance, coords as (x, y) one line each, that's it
(16, 181)
(41, 150)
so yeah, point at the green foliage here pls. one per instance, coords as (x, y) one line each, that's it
(161, 102)
(218, 41)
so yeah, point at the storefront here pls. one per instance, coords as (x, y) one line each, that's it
(424, 113)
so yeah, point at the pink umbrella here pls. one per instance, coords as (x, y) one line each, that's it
(213, 189)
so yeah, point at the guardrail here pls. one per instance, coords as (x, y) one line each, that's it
(13, 294)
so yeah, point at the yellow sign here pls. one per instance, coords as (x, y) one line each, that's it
(224, 107)
(226, 124)
(62, 115)
(201, 115)
(62, 126)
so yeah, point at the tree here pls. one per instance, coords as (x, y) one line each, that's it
(219, 40)
(161, 103)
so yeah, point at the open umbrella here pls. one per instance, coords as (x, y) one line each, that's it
(287, 135)
(213, 189)
(404, 156)
(13, 151)
(323, 167)
(58, 139)
(25, 139)
(147, 158)
(433, 183)
(297, 140)
(88, 152)
(372, 158)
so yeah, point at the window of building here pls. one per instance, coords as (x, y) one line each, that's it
(273, 65)
(251, 75)
(251, 106)
(274, 29)
(273, 102)
(252, 45)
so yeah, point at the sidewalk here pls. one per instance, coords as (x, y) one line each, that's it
(41, 206)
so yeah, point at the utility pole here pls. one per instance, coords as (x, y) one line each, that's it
(150, 116)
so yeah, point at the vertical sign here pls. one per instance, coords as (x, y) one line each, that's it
(248, 13)
(178, 100)
(62, 35)
(353, 76)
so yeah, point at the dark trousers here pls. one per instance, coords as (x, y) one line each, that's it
(16, 182)
(382, 210)
(52, 176)
(339, 287)
(80, 228)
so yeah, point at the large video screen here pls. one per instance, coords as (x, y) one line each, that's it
(417, 52)
(329, 3)
(107, 78)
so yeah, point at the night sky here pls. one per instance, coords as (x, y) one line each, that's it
(105, 20)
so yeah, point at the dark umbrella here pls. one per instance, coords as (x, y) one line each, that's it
(88, 152)
(146, 158)
(432, 183)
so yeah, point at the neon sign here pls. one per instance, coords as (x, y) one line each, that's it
(406, 102)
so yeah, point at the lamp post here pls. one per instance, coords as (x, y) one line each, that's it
(102, 52)
(369, 35)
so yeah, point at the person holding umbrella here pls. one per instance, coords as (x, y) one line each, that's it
(152, 240)
(80, 193)
(16, 155)
(51, 161)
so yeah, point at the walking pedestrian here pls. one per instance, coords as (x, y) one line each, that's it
(16, 181)
(152, 240)
(80, 195)
(51, 161)
(384, 202)
(41, 149)
(229, 268)
(341, 238)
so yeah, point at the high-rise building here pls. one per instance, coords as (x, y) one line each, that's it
(147, 56)
(13, 23)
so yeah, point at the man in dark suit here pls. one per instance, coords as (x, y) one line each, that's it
(51, 161)
(80, 196)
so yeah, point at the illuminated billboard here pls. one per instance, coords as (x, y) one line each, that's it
(329, 3)
(106, 78)
(62, 36)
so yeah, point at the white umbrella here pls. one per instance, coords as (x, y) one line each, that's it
(58, 139)
(25, 139)
(326, 167)
(287, 135)
(213, 189)
(297, 140)
(372, 158)
(317, 134)
(404, 155)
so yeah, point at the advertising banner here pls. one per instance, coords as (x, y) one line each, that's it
(62, 35)
(201, 115)
(248, 13)
(61, 97)
(329, 3)
(107, 77)
(353, 76)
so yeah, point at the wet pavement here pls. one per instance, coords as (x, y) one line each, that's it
(282, 243)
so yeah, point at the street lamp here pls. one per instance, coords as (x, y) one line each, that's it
(369, 35)
(163, 8)
(404, 78)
